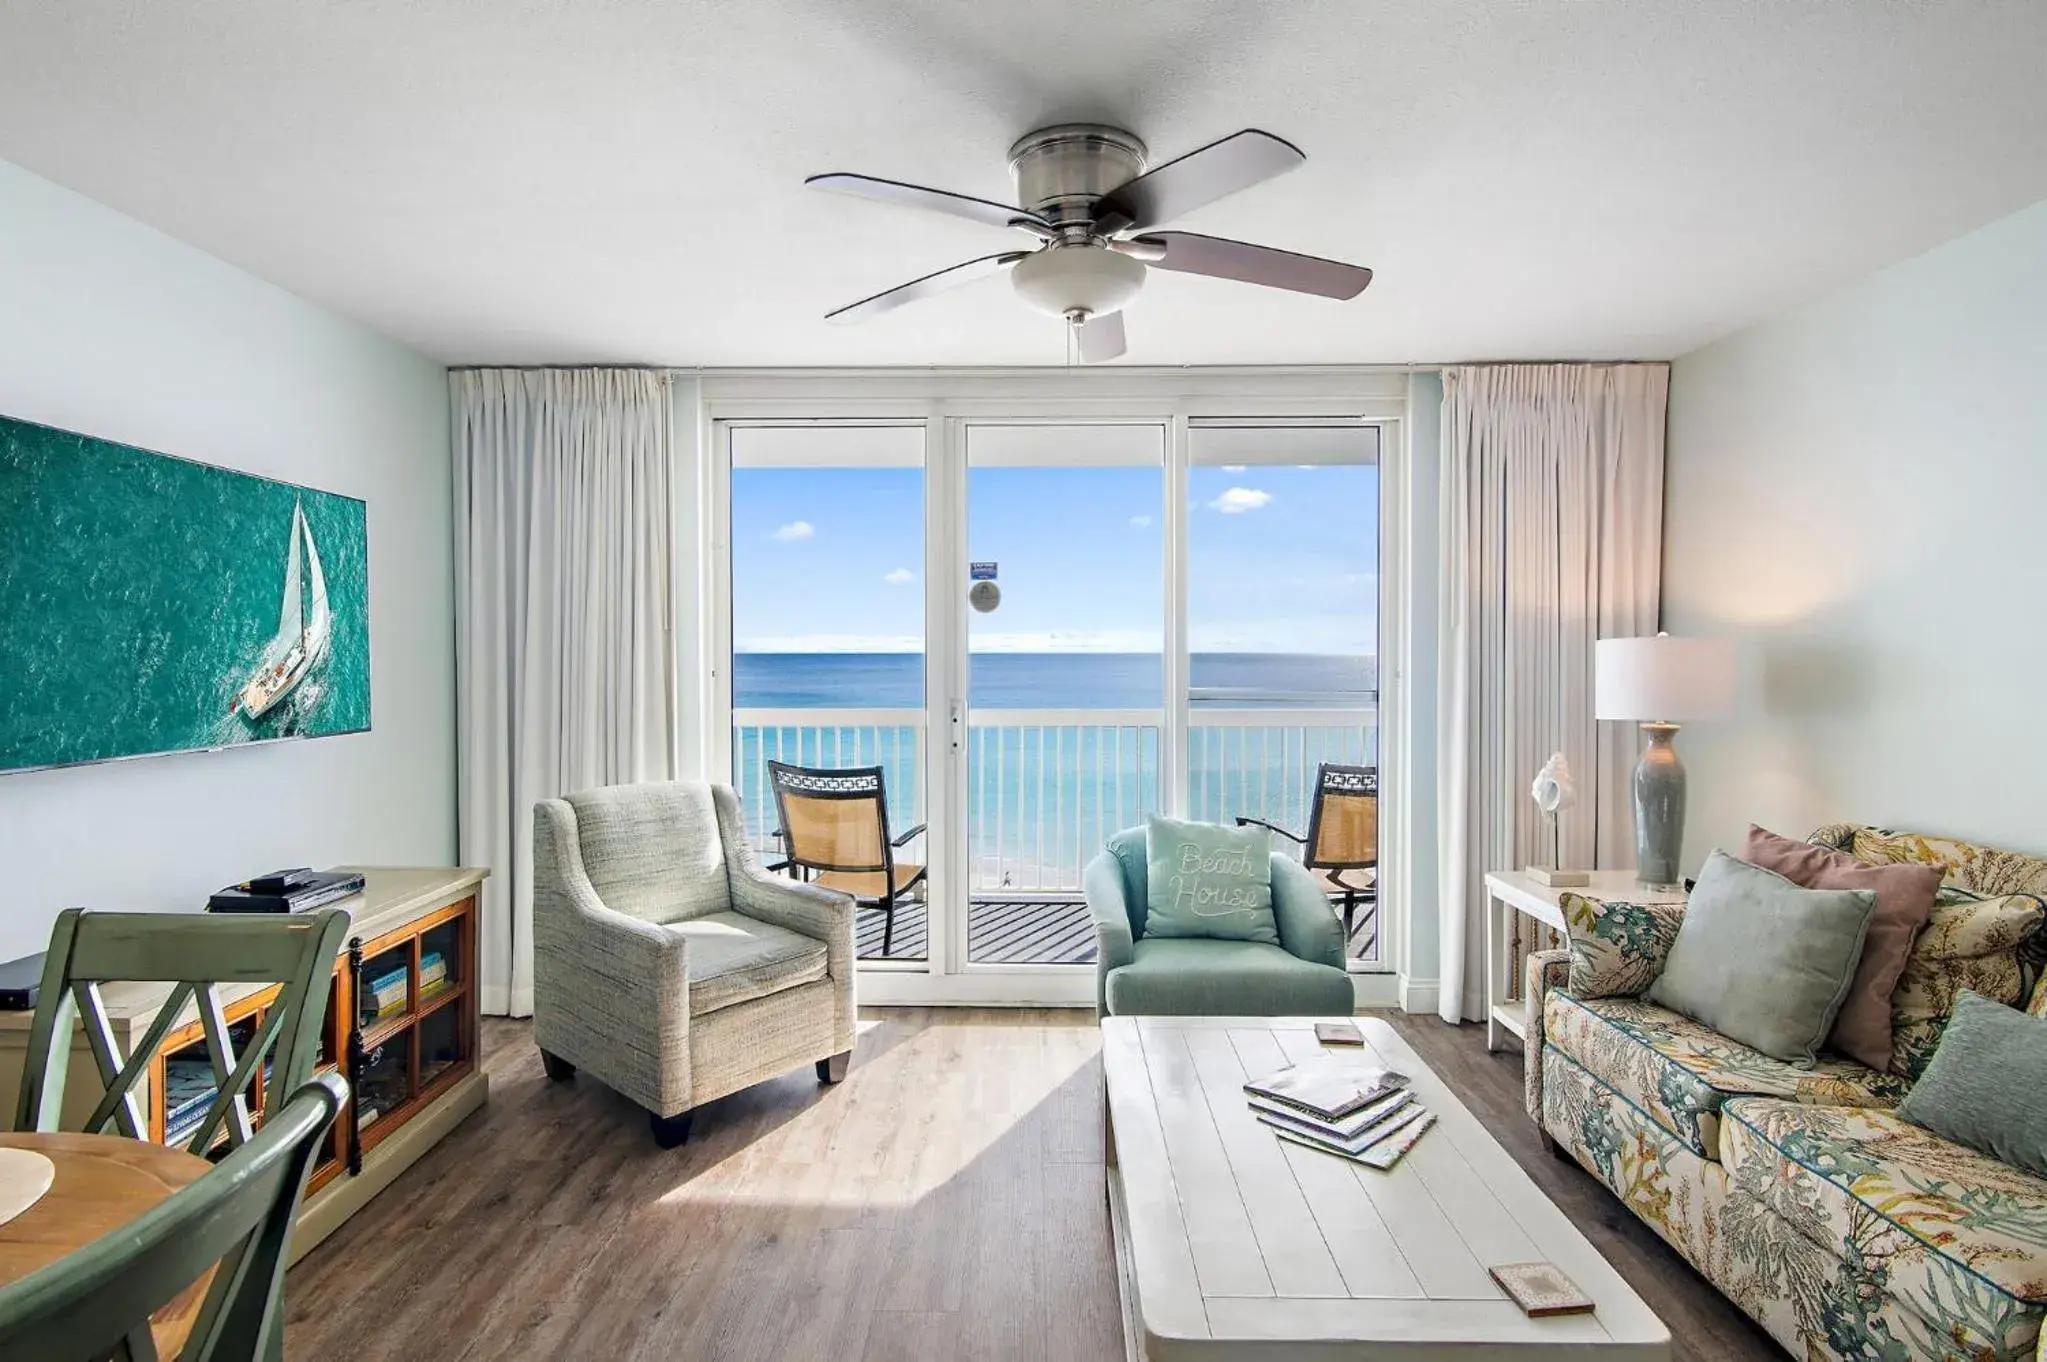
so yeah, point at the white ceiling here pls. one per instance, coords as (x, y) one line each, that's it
(527, 181)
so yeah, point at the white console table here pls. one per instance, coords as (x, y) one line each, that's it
(1511, 894)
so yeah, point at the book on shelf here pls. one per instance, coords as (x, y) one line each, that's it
(1326, 1091)
(433, 973)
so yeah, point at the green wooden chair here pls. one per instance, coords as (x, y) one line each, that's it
(194, 952)
(96, 1303)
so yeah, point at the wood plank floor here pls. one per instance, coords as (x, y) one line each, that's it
(944, 1203)
(1028, 932)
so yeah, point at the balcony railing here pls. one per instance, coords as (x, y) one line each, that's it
(1046, 788)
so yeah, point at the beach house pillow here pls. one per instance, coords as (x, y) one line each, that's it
(1204, 880)
(1761, 960)
(1982, 1087)
(1617, 948)
(1904, 900)
(1969, 942)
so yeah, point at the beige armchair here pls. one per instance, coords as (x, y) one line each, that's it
(667, 964)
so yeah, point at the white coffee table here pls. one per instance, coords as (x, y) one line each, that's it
(1234, 1244)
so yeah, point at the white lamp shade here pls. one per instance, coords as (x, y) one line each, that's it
(1663, 678)
(1069, 279)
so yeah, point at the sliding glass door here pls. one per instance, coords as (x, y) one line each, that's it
(1065, 635)
(1283, 636)
(826, 655)
(1031, 632)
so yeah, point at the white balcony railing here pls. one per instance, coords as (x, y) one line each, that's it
(1045, 788)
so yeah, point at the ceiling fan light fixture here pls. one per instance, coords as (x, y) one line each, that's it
(1064, 280)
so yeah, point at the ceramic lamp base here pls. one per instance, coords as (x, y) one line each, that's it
(1659, 808)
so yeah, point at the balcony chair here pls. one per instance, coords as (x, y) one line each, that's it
(834, 833)
(667, 964)
(1341, 849)
(1304, 975)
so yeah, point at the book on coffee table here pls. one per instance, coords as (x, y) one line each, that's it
(1327, 1092)
(1348, 1128)
(1349, 1145)
(1383, 1147)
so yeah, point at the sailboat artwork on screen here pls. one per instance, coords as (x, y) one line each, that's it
(305, 631)
(155, 604)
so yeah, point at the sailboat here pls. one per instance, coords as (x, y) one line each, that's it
(304, 629)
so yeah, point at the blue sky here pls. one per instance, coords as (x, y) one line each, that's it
(1280, 559)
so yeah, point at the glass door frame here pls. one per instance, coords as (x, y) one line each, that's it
(959, 775)
(945, 404)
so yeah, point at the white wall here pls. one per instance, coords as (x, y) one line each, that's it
(1857, 491)
(113, 329)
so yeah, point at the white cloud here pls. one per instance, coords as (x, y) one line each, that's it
(900, 577)
(1238, 500)
(1233, 468)
(1141, 521)
(794, 530)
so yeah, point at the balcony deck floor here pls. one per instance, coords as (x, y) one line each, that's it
(1023, 932)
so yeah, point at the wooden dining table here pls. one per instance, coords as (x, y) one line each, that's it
(102, 1183)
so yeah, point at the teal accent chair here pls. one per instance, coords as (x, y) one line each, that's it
(1189, 977)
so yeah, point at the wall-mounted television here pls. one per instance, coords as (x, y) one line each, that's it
(152, 604)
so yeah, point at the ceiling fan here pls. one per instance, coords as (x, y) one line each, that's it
(1093, 207)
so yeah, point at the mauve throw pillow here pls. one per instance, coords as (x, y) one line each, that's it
(1904, 901)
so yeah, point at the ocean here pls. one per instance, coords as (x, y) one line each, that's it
(1053, 680)
(1042, 797)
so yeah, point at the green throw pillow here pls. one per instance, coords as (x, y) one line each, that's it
(1982, 1087)
(1761, 960)
(1202, 880)
(1617, 948)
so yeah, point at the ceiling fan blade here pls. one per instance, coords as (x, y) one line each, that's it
(1192, 253)
(1146, 248)
(1100, 338)
(1196, 180)
(939, 282)
(937, 200)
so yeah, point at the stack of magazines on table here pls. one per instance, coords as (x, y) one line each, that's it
(1366, 1115)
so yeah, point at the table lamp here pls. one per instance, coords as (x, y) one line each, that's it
(1659, 681)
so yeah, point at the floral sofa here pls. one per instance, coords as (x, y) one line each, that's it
(1842, 1229)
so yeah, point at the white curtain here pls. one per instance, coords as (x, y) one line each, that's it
(564, 661)
(1552, 538)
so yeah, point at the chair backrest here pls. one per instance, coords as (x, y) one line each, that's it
(194, 953)
(1129, 847)
(1343, 825)
(653, 850)
(833, 819)
(96, 1302)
